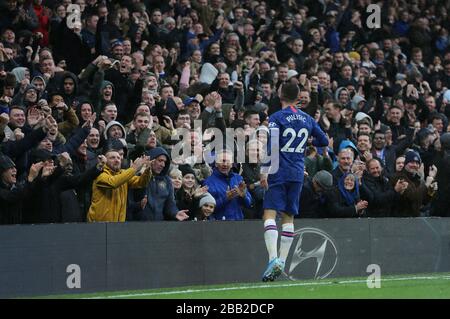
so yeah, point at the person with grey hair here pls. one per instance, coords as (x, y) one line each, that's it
(228, 188)
(346, 157)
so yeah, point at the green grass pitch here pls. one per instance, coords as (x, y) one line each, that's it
(426, 286)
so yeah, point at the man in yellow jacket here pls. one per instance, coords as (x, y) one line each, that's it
(110, 188)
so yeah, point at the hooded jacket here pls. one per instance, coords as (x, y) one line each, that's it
(19, 98)
(338, 91)
(161, 203)
(97, 92)
(355, 101)
(110, 193)
(218, 184)
(70, 100)
(43, 93)
(109, 125)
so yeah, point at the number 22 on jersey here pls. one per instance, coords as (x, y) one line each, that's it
(302, 134)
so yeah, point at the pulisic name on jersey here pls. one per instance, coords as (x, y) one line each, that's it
(296, 117)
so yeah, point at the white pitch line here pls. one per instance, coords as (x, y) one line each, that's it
(176, 292)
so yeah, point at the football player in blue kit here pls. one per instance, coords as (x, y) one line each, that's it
(293, 128)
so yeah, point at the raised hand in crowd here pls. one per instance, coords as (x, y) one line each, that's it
(35, 169)
(432, 172)
(64, 159)
(232, 193)
(23, 85)
(101, 126)
(168, 122)
(401, 186)
(18, 134)
(34, 117)
(209, 100)
(90, 121)
(326, 122)
(217, 101)
(4, 120)
(101, 162)
(242, 189)
(49, 123)
(140, 162)
(239, 86)
(199, 192)
(48, 169)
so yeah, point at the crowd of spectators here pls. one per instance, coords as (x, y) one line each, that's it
(91, 103)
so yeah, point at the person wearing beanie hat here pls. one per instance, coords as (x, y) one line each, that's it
(315, 194)
(41, 155)
(418, 190)
(188, 195)
(207, 205)
(9, 85)
(28, 98)
(412, 157)
(13, 195)
(324, 180)
(186, 169)
(5, 164)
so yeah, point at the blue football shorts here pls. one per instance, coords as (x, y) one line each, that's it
(283, 197)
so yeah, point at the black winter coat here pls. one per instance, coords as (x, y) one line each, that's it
(45, 204)
(313, 204)
(441, 204)
(338, 207)
(11, 201)
(383, 196)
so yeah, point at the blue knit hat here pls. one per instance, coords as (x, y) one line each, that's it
(412, 156)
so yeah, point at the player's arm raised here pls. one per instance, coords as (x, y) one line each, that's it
(320, 138)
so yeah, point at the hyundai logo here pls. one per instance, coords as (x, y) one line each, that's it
(313, 254)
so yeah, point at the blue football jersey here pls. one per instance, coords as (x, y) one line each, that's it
(291, 128)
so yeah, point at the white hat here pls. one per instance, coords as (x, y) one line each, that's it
(291, 73)
(207, 199)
